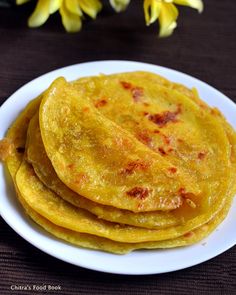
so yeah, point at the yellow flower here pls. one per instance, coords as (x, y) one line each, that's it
(167, 13)
(119, 5)
(71, 12)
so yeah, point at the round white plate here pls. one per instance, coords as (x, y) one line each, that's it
(137, 262)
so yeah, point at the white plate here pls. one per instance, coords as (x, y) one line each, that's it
(138, 262)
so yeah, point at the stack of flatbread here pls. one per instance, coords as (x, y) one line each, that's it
(123, 162)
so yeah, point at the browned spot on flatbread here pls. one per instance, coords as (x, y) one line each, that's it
(161, 119)
(126, 85)
(144, 137)
(100, 103)
(201, 155)
(71, 166)
(136, 91)
(138, 192)
(137, 165)
(162, 151)
(189, 234)
(173, 169)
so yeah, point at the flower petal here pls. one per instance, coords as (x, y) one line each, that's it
(73, 7)
(197, 4)
(40, 14)
(167, 19)
(91, 7)
(19, 2)
(71, 21)
(54, 5)
(152, 10)
(119, 5)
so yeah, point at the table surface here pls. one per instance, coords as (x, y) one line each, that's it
(203, 46)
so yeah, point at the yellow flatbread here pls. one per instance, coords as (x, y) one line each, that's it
(90, 154)
(43, 168)
(94, 242)
(61, 213)
(81, 125)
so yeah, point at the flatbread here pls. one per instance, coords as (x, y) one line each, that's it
(64, 220)
(61, 213)
(91, 155)
(43, 168)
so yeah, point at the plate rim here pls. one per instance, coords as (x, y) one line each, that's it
(8, 104)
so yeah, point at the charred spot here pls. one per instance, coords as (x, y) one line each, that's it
(188, 234)
(134, 166)
(137, 93)
(71, 166)
(138, 192)
(144, 137)
(156, 131)
(145, 114)
(100, 103)
(20, 150)
(163, 118)
(162, 151)
(126, 85)
(201, 155)
(173, 169)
